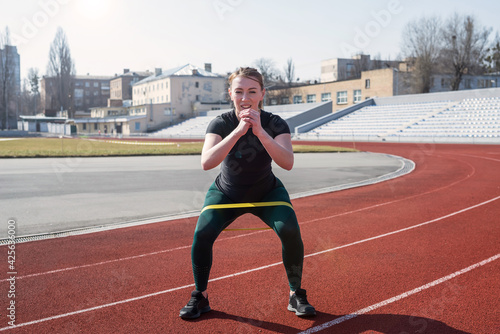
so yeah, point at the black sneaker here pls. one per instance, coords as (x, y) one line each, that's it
(197, 305)
(298, 303)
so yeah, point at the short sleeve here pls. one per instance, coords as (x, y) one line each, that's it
(278, 126)
(216, 126)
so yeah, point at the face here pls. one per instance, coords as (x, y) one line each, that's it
(245, 93)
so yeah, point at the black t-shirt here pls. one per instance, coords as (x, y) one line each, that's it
(246, 174)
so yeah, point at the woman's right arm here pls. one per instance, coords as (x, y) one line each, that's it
(215, 149)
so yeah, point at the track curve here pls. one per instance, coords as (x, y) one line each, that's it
(417, 253)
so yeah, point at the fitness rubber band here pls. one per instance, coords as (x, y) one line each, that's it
(245, 205)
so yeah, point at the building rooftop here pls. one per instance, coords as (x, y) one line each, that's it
(188, 70)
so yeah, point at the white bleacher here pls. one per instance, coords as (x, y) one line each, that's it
(197, 126)
(376, 121)
(475, 117)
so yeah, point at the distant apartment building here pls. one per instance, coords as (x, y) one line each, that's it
(343, 93)
(184, 89)
(88, 91)
(337, 69)
(121, 86)
(10, 85)
(164, 98)
(344, 84)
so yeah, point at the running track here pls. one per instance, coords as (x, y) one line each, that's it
(416, 254)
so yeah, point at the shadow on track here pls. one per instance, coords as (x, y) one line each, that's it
(385, 323)
(380, 323)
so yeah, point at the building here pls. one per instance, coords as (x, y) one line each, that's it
(442, 82)
(394, 78)
(180, 89)
(343, 93)
(337, 69)
(162, 99)
(121, 86)
(88, 91)
(10, 85)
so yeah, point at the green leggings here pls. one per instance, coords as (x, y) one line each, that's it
(280, 218)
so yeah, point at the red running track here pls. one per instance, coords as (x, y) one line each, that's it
(416, 254)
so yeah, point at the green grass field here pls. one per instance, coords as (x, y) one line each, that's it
(67, 147)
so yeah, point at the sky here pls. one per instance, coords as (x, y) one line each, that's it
(107, 36)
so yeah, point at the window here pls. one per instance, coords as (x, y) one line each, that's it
(297, 99)
(311, 98)
(87, 84)
(273, 101)
(367, 83)
(96, 84)
(137, 126)
(357, 95)
(351, 70)
(197, 84)
(95, 126)
(468, 83)
(342, 97)
(485, 83)
(326, 97)
(285, 100)
(84, 126)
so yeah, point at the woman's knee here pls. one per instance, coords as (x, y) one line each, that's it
(288, 231)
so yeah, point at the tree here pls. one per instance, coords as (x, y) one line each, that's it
(492, 60)
(34, 85)
(62, 69)
(289, 70)
(422, 44)
(268, 70)
(465, 46)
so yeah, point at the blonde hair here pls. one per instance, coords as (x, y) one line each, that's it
(249, 73)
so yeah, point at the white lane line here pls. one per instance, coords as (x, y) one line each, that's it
(244, 272)
(118, 260)
(248, 234)
(398, 297)
(406, 228)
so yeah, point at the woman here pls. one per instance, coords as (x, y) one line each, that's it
(246, 140)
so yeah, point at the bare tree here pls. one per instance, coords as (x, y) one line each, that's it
(422, 43)
(289, 70)
(33, 81)
(492, 60)
(268, 70)
(62, 69)
(465, 47)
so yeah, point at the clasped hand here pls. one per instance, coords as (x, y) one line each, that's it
(250, 118)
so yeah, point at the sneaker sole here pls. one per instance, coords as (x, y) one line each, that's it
(197, 315)
(301, 314)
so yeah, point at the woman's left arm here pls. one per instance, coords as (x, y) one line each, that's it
(280, 148)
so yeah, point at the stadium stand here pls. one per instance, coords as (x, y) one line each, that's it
(465, 116)
(294, 114)
(471, 116)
